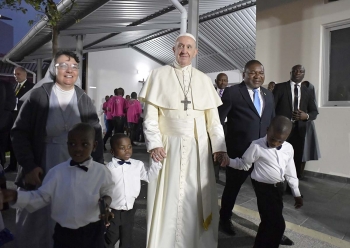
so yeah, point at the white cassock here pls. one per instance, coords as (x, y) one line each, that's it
(182, 204)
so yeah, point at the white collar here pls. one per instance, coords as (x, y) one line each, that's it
(178, 66)
(293, 83)
(252, 88)
(22, 82)
(59, 89)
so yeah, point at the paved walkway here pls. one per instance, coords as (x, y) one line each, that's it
(323, 221)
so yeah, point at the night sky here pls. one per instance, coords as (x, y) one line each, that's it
(20, 21)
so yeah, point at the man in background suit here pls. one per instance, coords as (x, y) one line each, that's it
(221, 82)
(249, 108)
(22, 87)
(293, 100)
(7, 105)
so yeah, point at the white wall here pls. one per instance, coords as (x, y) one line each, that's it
(107, 70)
(234, 76)
(289, 32)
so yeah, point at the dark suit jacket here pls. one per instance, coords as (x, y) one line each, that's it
(284, 103)
(243, 121)
(7, 105)
(27, 86)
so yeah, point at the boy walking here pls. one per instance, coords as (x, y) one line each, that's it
(273, 163)
(74, 189)
(126, 173)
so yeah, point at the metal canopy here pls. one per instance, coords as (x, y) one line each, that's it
(226, 31)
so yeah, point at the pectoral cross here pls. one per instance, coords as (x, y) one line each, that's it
(185, 102)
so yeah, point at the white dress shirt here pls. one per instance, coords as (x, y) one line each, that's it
(271, 165)
(292, 84)
(127, 181)
(251, 94)
(72, 192)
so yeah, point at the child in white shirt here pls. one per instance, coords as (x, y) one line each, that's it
(273, 163)
(126, 173)
(74, 189)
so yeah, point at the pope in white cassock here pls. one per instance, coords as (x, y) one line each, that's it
(183, 130)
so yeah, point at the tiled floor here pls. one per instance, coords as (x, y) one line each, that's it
(326, 210)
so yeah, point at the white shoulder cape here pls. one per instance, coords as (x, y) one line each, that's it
(162, 83)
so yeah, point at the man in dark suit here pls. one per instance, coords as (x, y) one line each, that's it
(221, 82)
(22, 87)
(293, 100)
(7, 105)
(249, 108)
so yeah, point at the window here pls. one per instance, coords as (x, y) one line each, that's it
(336, 65)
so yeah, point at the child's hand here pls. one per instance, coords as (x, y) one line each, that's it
(7, 195)
(107, 216)
(298, 202)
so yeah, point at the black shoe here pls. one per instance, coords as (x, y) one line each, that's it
(227, 227)
(286, 241)
(10, 168)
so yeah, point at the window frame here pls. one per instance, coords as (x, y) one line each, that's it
(327, 28)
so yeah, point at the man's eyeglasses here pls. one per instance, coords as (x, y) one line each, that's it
(64, 66)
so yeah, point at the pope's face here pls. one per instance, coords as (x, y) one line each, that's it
(185, 50)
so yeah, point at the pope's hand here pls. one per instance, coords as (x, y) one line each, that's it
(222, 158)
(158, 154)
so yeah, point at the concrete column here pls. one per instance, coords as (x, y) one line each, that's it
(79, 51)
(193, 22)
(39, 70)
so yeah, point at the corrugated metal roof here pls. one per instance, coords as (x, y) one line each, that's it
(233, 34)
(226, 30)
(7, 69)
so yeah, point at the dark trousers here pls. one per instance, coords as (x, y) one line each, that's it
(13, 160)
(118, 122)
(120, 228)
(109, 131)
(133, 130)
(234, 180)
(139, 131)
(297, 140)
(89, 236)
(270, 205)
(3, 146)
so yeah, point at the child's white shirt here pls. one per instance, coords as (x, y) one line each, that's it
(127, 181)
(271, 165)
(72, 192)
